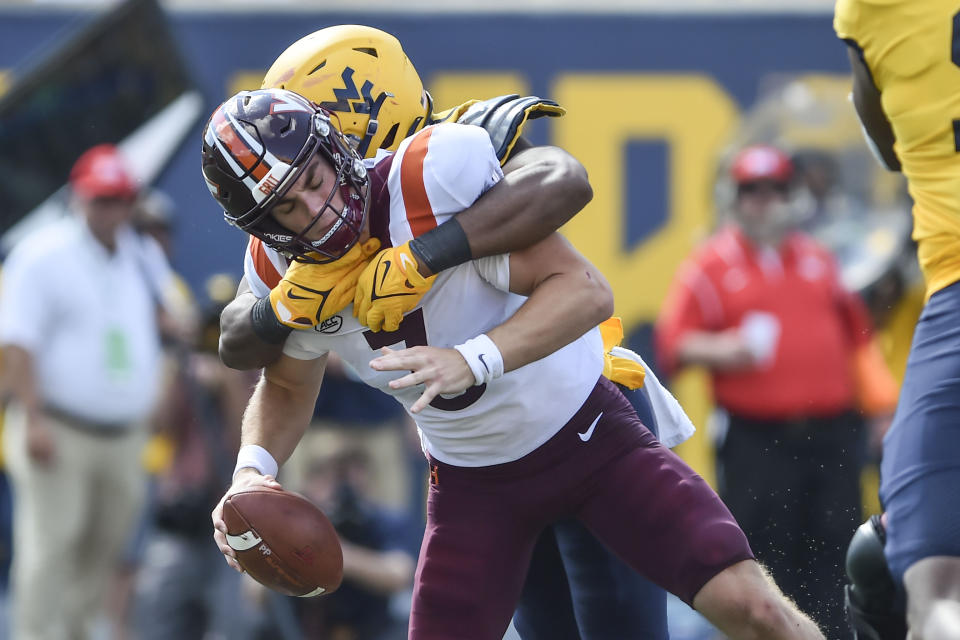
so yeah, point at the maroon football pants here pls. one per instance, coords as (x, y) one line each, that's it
(612, 474)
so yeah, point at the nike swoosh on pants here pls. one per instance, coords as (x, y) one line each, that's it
(586, 435)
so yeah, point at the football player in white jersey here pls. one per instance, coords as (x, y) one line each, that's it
(501, 368)
(547, 186)
(364, 78)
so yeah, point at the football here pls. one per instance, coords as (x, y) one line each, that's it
(284, 541)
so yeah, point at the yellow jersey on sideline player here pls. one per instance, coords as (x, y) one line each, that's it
(912, 52)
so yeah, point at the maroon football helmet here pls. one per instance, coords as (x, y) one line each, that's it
(256, 145)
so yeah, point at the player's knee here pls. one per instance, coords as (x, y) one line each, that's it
(766, 613)
(940, 622)
(933, 595)
(762, 615)
(871, 595)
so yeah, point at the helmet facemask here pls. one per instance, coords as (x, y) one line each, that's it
(255, 216)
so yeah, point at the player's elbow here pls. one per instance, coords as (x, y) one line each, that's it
(239, 347)
(232, 355)
(605, 305)
(566, 180)
(598, 297)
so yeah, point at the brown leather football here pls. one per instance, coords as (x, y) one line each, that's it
(284, 541)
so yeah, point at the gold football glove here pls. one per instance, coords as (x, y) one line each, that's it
(619, 365)
(389, 287)
(311, 293)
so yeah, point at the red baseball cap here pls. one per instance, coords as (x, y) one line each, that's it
(101, 172)
(761, 162)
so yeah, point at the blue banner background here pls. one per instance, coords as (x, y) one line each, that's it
(733, 52)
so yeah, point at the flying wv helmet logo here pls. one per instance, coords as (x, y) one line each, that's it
(350, 99)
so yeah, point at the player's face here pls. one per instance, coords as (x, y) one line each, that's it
(314, 191)
(763, 209)
(105, 215)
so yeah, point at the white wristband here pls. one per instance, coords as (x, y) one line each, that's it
(256, 457)
(483, 357)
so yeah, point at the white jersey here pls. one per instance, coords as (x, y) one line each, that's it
(264, 267)
(434, 175)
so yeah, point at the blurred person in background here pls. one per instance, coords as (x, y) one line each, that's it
(906, 91)
(376, 563)
(547, 187)
(761, 306)
(182, 589)
(153, 217)
(82, 370)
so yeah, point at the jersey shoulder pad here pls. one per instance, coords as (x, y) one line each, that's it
(846, 20)
(504, 117)
(263, 267)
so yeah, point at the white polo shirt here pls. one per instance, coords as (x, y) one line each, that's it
(88, 317)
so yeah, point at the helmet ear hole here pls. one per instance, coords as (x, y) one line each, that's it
(370, 51)
(390, 137)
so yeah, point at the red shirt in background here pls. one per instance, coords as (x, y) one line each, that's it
(821, 325)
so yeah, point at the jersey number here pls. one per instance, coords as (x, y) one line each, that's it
(413, 332)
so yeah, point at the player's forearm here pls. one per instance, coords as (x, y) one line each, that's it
(277, 417)
(240, 346)
(542, 189)
(18, 379)
(561, 309)
(720, 351)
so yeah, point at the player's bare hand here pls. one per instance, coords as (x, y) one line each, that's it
(244, 479)
(733, 353)
(720, 351)
(439, 370)
(40, 445)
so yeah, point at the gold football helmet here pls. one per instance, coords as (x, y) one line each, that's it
(363, 77)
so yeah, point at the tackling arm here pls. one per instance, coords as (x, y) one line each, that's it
(550, 187)
(543, 187)
(240, 346)
(866, 100)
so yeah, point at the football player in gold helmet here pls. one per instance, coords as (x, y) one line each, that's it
(905, 57)
(362, 76)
